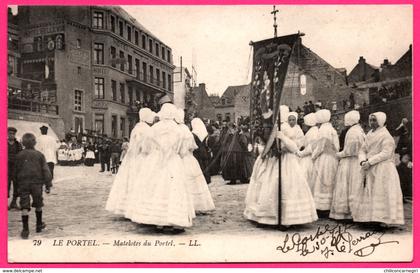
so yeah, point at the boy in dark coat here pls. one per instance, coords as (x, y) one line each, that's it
(31, 173)
(13, 148)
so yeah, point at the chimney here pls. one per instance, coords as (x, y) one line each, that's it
(385, 64)
(362, 60)
(202, 85)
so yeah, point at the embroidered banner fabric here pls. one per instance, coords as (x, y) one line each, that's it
(270, 62)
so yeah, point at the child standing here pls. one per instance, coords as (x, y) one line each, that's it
(31, 173)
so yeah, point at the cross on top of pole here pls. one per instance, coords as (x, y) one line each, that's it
(274, 12)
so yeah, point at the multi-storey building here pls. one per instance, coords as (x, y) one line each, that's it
(97, 63)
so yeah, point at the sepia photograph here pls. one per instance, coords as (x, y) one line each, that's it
(209, 134)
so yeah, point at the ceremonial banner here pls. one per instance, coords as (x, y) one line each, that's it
(270, 62)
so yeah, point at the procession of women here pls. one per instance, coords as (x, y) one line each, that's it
(163, 179)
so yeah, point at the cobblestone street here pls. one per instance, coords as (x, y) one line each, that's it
(76, 207)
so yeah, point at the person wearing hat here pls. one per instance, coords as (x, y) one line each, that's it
(48, 146)
(14, 147)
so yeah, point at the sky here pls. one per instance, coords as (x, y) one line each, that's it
(216, 38)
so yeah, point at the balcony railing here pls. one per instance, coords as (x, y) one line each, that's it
(32, 106)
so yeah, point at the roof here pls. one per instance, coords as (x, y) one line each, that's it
(233, 90)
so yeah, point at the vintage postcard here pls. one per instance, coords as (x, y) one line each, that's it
(210, 134)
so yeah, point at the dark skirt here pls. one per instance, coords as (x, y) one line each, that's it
(237, 166)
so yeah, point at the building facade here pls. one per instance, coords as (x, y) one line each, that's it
(98, 64)
(182, 85)
(234, 104)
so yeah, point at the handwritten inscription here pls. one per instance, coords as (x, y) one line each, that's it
(330, 239)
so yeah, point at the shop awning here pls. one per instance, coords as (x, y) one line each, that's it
(24, 126)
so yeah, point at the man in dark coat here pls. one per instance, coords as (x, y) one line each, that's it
(13, 148)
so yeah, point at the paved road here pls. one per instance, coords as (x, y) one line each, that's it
(76, 208)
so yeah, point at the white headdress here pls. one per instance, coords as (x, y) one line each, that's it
(351, 118)
(179, 117)
(323, 116)
(310, 119)
(380, 117)
(168, 111)
(199, 129)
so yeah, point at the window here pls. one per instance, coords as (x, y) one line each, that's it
(151, 74)
(113, 56)
(169, 82)
(114, 126)
(137, 61)
(130, 64)
(129, 33)
(122, 61)
(144, 71)
(99, 88)
(136, 37)
(114, 90)
(168, 55)
(121, 27)
(143, 41)
(157, 49)
(98, 55)
(122, 126)
(150, 46)
(163, 79)
(78, 100)
(112, 23)
(98, 20)
(78, 43)
(11, 64)
(130, 95)
(79, 70)
(99, 123)
(163, 53)
(157, 77)
(122, 92)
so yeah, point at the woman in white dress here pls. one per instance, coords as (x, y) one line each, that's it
(348, 178)
(139, 148)
(262, 197)
(196, 183)
(325, 162)
(297, 204)
(165, 200)
(380, 199)
(118, 196)
(305, 155)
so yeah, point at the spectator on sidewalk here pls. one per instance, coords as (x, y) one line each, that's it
(104, 155)
(14, 147)
(115, 149)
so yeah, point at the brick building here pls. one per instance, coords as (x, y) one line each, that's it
(363, 72)
(233, 104)
(98, 64)
(203, 106)
(311, 78)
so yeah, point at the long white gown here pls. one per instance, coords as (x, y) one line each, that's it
(325, 166)
(348, 178)
(195, 180)
(118, 197)
(380, 199)
(165, 199)
(262, 196)
(139, 153)
(306, 161)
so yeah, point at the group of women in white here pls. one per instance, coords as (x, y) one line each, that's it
(160, 182)
(360, 182)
